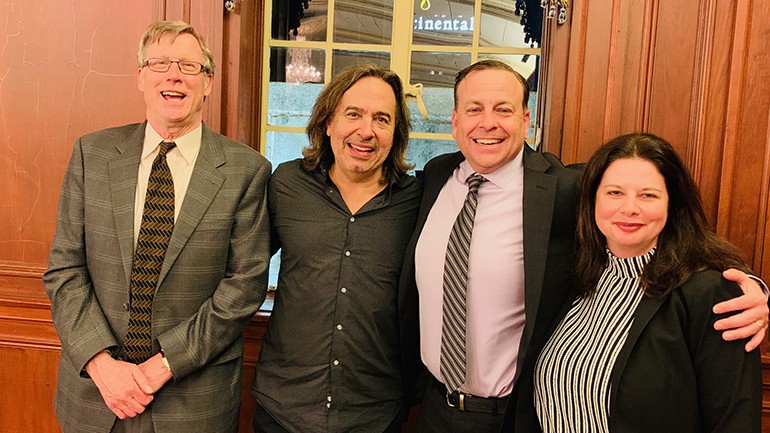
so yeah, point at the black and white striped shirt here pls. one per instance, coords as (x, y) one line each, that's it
(572, 375)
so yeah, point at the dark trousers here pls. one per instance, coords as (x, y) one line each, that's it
(264, 423)
(436, 416)
(141, 423)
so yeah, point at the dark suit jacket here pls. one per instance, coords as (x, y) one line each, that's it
(549, 230)
(674, 373)
(212, 281)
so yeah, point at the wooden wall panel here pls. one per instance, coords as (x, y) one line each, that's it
(708, 129)
(59, 78)
(628, 54)
(743, 207)
(250, 77)
(586, 88)
(28, 390)
(672, 71)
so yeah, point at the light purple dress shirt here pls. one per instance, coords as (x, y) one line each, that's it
(495, 298)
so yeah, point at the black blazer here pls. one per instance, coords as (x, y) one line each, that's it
(675, 373)
(549, 228)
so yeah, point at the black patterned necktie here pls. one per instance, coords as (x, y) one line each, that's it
(154, 235)
(455, 287)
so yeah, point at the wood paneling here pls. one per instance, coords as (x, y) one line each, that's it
(66, 68)
(250, 77)
(743, 200)
(29, 382)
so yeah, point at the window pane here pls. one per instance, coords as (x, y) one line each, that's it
(297, 65)
(437, 69)
(501, 27)
(443, 22)
(344, 58)
(290, 104)
(528, 65)
(292, 18)
(281, 147)
(291, 92)
(436, 72)
(363, 22)
(421, 151)
(284, 146)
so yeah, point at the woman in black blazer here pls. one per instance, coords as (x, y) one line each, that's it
(636, 351)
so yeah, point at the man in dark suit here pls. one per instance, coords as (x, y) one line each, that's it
(173, 208)
(518, 260)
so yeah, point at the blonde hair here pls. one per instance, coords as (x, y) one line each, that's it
(155, 31)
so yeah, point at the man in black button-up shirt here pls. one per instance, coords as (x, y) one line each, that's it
(343, 214)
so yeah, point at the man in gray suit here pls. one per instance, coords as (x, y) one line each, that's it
(167, 359)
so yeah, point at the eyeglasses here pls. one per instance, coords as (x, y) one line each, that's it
(187, 67)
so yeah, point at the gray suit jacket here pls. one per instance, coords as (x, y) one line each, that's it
(213, 278)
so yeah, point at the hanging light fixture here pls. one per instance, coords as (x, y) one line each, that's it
(299, 69)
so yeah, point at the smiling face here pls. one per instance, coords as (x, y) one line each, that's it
(361, 130)
(174, 100)
(631, 206)
(489, 123)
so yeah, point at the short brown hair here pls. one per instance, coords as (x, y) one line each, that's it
(158, 29)
(319, 152)
(493, 64)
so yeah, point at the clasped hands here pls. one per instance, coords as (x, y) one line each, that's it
(127, 388)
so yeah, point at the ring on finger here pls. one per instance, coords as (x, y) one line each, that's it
(761, 323)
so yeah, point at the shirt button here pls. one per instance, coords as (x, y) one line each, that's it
(339, 327)
(352, 219)
(344, 290)
(336, 362)
(347, 253)
(328, 398)
(328, 405)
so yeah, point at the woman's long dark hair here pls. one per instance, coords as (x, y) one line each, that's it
(686, 244)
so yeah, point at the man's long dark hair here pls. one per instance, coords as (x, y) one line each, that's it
(319, 152)
(686, 244)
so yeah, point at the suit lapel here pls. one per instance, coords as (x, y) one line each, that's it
(433, 186)
(205, 182)
(123, 170)
(646, 309)
(538, 205)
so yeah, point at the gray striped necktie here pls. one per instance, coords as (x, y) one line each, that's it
(154, 235)
(455, 287)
